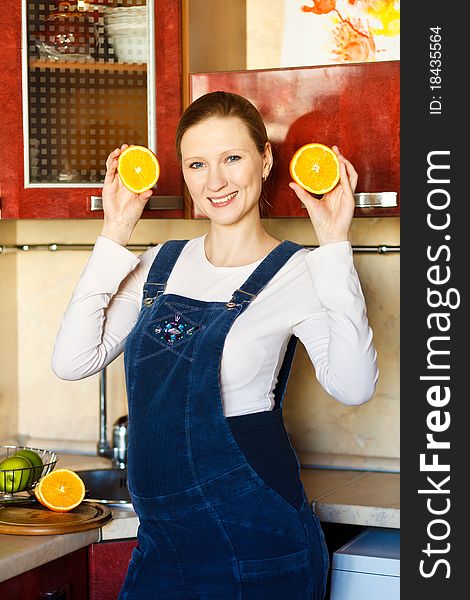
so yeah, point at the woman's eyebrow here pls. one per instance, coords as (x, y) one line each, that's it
(229, 151)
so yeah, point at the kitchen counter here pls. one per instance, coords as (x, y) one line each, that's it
(349, 496)
(337, 496)
(354, 497)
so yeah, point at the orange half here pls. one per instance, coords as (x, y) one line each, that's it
(60, 490)
(138, 169)
(315, 167)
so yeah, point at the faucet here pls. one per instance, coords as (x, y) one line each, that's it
(103, 448)
(118, 452)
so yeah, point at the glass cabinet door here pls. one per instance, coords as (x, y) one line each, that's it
(90, 87)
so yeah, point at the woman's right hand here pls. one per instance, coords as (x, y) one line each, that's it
(122, 208)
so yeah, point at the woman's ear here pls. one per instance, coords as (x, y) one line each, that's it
(267, 159)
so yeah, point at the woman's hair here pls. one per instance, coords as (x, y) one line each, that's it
(225, 104)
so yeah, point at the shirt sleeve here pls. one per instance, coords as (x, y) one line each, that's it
(336, 333)
(102, 311)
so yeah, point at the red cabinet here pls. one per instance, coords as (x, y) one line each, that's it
(355, 106)
(107, 568)
(93, 573)
(64, 579)
(80, 84)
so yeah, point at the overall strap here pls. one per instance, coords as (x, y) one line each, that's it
(162, 266)
(283, 376)
(253, 286)
(263, 274)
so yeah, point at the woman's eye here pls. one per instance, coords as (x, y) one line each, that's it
(196, 165)
(233, 158)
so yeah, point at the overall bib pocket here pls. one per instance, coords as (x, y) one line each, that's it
(169, 330)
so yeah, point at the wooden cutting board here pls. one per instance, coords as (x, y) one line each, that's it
(35, 519)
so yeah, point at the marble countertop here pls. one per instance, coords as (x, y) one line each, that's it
(338, 496)
(354, 497)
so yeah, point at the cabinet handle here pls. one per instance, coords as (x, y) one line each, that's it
(371, 199)
(154, 203)
(379, 199)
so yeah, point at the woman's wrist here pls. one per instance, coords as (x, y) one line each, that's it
(117, 232)
(324, 240)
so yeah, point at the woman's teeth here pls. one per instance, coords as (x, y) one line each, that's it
(224, 199)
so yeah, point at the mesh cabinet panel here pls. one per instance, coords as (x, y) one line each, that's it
(87, 84)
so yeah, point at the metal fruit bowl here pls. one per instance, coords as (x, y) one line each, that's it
(19, 483)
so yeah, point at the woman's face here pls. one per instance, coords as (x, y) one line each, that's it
(223, 169)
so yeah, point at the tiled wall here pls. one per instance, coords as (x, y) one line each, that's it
(37, 285)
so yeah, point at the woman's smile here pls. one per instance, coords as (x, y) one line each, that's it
(220, 201)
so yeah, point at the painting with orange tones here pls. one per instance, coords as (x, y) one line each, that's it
(318, 32)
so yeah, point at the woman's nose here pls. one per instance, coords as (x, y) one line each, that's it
(216, 179)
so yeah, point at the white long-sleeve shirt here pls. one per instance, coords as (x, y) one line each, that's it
(316, 296)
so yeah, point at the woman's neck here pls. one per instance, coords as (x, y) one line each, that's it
(237, 246)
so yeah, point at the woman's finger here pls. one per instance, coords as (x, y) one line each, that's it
(344, 178)
(352, 173)
(304, 196)
(112, 157)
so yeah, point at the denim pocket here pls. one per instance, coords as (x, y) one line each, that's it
(277, 567)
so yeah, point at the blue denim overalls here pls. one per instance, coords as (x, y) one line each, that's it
(211, 528)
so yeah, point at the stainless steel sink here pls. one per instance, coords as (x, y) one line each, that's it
(108, 486)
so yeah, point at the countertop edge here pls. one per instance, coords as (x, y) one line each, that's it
(371, 516)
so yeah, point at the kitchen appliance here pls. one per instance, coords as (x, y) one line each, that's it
(368, 567)
(120, 442)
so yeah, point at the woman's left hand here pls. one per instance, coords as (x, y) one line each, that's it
(331, 215)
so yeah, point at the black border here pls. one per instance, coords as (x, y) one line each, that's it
(421, 133)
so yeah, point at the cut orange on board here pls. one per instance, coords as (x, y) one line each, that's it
(315, 167)
(60, 490)
(138, 169)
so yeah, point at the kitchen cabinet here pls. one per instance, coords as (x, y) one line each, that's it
(61, 579)
(67, 104)
(353, 105)
(107, 568)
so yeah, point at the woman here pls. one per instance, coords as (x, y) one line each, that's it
(208, 329)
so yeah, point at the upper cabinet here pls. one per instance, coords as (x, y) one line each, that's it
(353, 105)
(79, 79)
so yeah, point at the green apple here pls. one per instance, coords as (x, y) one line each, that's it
(14, 474)
(35, 460)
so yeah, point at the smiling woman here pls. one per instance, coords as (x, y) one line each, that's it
(244, 125)
(208, 328)
(220, 177)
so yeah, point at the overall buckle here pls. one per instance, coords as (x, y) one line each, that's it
(149, 300)
(232, 304)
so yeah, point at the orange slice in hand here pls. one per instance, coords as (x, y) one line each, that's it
(138, 169)
(60, 490)
(315, 167)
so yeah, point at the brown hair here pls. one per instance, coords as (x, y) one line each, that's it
(223, 105)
